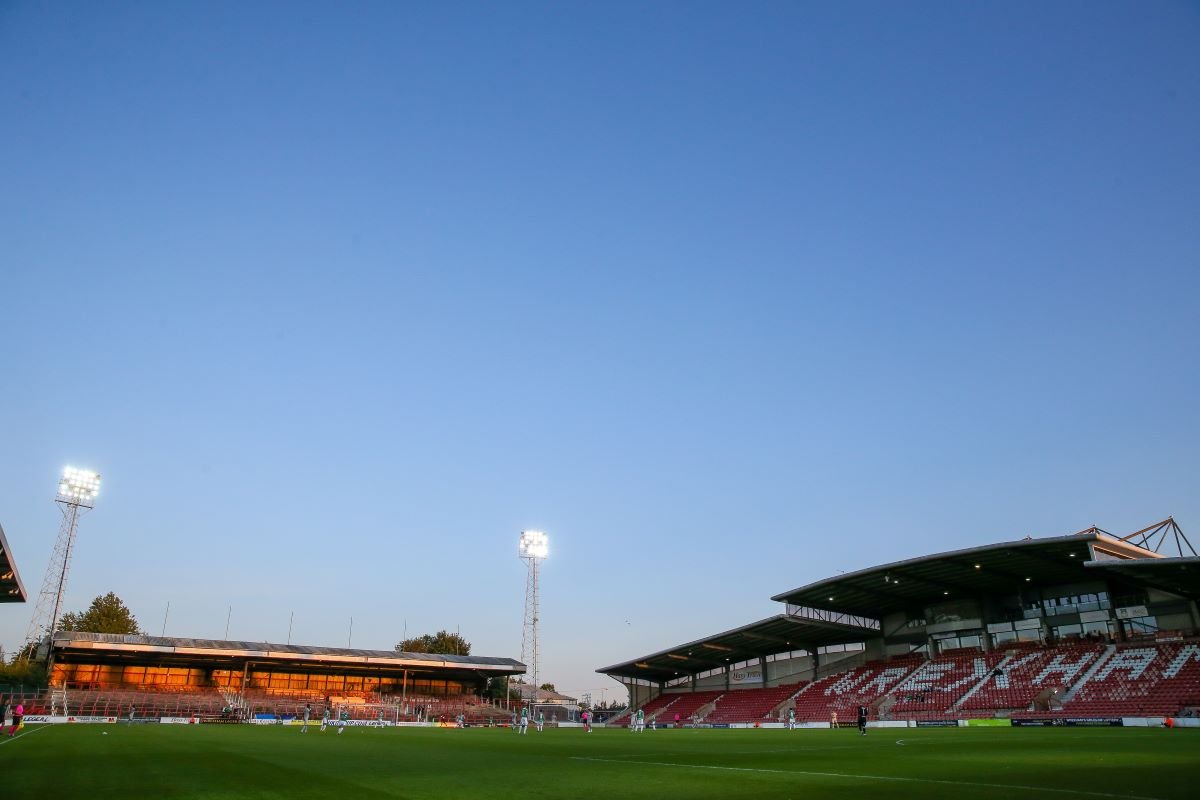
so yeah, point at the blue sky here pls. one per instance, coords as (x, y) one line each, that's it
(725, 297)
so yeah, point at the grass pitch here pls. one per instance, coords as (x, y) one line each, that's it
(262, 763)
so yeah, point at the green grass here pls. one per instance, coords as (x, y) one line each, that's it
(244, 762)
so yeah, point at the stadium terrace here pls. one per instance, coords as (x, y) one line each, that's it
(97, 675)
(108, 658)
(1090, 628)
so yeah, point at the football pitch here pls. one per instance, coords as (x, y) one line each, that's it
(236, 762)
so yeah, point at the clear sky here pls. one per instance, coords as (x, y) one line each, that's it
(726, 297)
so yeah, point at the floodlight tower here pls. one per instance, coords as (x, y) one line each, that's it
(77, 490)
(532, 550)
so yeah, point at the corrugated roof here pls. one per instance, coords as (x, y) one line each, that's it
(78, 640)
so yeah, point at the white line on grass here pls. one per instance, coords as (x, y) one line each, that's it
(10, 739)
(798, 749)
(850, 776)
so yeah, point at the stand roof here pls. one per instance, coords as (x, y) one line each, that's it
(11, 588)
(75, 644)
(973, 572)
(780, 633)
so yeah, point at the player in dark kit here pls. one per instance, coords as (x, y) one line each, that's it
(862, 720)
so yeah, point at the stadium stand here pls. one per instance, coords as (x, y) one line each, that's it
(843, 692)
(117, 702)
(107, 675)
(1140, 680)
(1084, 625)
(212, 703)
(1025, 673)
(750, 705)
(650, 709)
(688, 706)
(1077, 679)
(620, 720)
(936, 686)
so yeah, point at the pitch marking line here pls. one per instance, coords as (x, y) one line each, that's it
(1007, 786)
(10, 739)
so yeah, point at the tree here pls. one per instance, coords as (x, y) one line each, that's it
(496, 687)
(23, 672)
(442, 643)
(106, 614)
(547, 687)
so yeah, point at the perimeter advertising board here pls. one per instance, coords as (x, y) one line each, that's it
(748, 675)
(1071, 722)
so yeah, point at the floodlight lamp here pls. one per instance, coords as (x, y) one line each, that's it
(533, 544)
(78, 484)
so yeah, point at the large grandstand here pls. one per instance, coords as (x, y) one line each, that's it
(101, 676)
(1086, 628)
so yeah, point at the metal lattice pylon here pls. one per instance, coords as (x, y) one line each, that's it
(529, 632)
(73, 502)
(532, 551)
